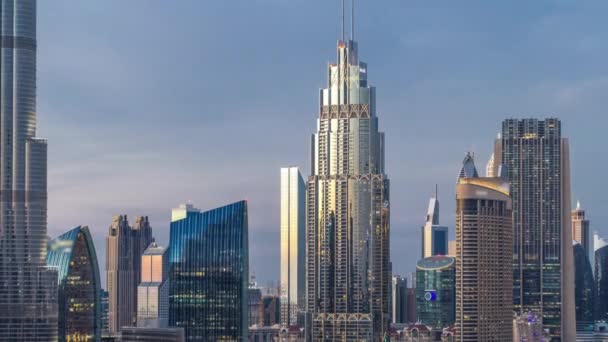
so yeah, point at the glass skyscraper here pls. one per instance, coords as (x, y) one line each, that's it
(537, 163)
(484, 259)
(293, 244)
(436, 291)
(601, 284)
(584, 287)
(348, 266)
(209, 272)
(153, 290)
(28, 292)
(73, 255)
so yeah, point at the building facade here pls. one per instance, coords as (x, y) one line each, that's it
(601, 284)
(584, 287)
(209, 272)
(348, 266)
(484, 235)
(398, 299)
(436, 291)
(73, 255)
(270, 311)
(434, 236)
(125, 245)
(293, 245)
(580, 229)
(153, 290)
(537, 163)
(254, 298)
(28, 292)
(141, 334)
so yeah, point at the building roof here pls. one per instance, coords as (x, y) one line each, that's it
(435, 262)
(60, 252)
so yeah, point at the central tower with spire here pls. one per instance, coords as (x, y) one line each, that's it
(348, 264)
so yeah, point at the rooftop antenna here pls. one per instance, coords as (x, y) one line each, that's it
(436, 191)
(342, 20)
(352, 21)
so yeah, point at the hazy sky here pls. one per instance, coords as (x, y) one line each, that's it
(150, 103)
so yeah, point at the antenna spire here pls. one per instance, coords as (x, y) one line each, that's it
(352, 21)
(437, 191)
(342, 20)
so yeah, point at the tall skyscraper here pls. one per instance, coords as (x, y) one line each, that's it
(293, 245)
(484, 235)
(584, 288)
(580, 228)
(125, 245)
(73, 255)
(153, 290)
(399, 299)
(28, 292)
(601, 284)
(436, 291)
(434, 236)
(537, 163)
(209, 272)
(348, 272)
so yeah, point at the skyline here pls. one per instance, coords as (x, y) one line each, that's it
(125, 100)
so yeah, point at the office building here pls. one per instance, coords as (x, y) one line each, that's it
(484, 235)
(536, 159)
(452, 248)
(73, 255)
(584, 287)
(436, 291)
(254, 299)
(293, 245)
(434, 236)
(348, 205)
(601, 284)
(28, 289)
(125, 245)
(104, 312)
(153, 290)
(270, 311)
(412, 315)
(399, 299)
(209, 259)
(580, 228)
(141, 334)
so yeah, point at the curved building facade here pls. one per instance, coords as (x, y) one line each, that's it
(601, 284)
(583, 287)
(209, 273)
(436, 291)
(73, 255)
(484, 256)
(28, 297)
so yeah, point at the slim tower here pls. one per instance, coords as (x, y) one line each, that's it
(293, 244)
(28, 290)
(484, 235)
(537, 163)
(348, 269)
(434, 236)
(580, 228)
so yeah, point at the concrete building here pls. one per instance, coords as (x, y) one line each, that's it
(537, 165)
(293, 245)
(125, 245)
(399, 299)
(348, 208)
(484, 235)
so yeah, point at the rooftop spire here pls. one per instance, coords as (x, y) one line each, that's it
(352, 20)
(342, 21)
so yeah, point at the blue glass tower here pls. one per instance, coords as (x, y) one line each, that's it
(209, 272)
(73, 255)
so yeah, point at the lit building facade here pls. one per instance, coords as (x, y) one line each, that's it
(28, 290)
(293, 244)
(73, 255)
(580, 228)
(348, 266)
(209, 272)
(536, 159)
(434, 236)
(399, 299)
(141, 334)
(436, 291)
(484, 235)
(125, 245)
(153, 290)
(584, 287)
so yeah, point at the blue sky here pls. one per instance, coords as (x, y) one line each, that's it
(150, 103)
